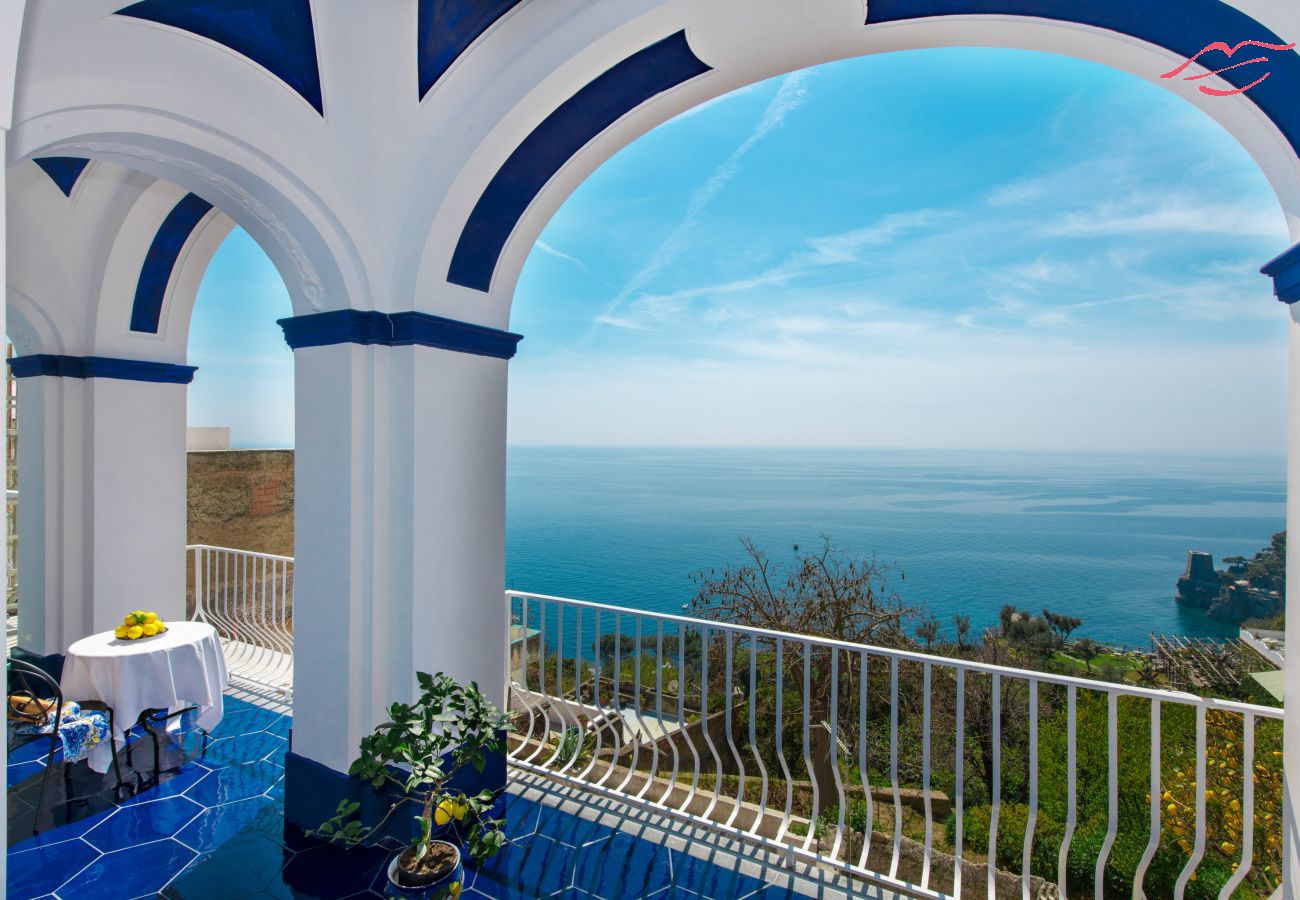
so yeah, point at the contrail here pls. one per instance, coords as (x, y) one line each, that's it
(789, 97)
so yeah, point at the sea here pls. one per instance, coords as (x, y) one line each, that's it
(1100, 537)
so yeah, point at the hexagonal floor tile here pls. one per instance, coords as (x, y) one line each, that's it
(34, 873)
(132, 825)
(218, 824)
(242, 749)
(134, 872)
(235, 783)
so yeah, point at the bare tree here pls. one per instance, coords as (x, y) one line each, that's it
(928, 631)
(825, 594)
(961, 625)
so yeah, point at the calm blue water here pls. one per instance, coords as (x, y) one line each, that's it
(1100, 537)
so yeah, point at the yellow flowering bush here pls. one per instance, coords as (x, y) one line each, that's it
(1224, 801)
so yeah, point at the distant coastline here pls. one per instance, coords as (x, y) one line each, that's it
(1100, 536)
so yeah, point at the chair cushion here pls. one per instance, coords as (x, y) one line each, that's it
(80, 731)
(25, 708)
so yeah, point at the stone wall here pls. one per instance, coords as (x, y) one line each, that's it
(242, 499)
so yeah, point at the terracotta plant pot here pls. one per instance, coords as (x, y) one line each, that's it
(438, 888)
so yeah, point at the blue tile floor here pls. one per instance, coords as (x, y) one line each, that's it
(214, 827)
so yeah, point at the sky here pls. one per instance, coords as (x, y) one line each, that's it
(948, 248)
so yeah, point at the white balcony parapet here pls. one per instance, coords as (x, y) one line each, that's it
(713, 723)
(248, 598)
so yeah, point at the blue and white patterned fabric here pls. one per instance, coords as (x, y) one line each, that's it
(80, 731)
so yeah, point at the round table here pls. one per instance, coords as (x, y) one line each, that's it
(181, 667)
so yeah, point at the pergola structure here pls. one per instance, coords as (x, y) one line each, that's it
(396, 161)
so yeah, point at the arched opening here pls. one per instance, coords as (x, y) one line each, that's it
(672, 301)
(1019, 226)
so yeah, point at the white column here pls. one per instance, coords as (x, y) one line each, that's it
(1291, 678)
(11, 21)
(4, 437)
(101, 468)
(399, 534)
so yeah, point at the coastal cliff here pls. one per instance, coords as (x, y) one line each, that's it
(1246, 589)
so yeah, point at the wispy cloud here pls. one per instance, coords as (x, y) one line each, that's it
(817, 253)
(1180, 214)
(788, 98)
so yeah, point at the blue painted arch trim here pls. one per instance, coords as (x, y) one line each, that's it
(160, 261)
(403, 329)
(446, 28)
(63, 170)
(1180, 26)
(278, 35)
(1284, 269)
(646, 73)
(100, 367)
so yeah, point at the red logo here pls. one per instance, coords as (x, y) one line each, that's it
(1228, 51)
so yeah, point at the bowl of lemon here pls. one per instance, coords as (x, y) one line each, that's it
(139, 624)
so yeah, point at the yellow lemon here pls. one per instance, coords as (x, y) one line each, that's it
(120, 631)
(161, 626)
(149, 629)
(134, 631)
(1171, 808)
(443, 814)
(150, 617)
(459, 810)
(129, 620)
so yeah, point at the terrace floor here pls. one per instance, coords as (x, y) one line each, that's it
(215, 828)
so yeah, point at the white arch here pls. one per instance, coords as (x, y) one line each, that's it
(72, 281)
(746, 42)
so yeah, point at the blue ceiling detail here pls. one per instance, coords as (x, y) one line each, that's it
(63, 170)
(446, 27)
(400, 329)
(1183, 27)
(552, 143)
(276, 34)
(156, 273)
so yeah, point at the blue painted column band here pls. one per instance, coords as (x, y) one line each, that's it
(1284, 269)
(553, 143)
(160, 261)
(356, 326)
(100, 367)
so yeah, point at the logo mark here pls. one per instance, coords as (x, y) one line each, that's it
(1227, 51)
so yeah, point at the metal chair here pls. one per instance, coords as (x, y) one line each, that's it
(150, 719)
(29, 684)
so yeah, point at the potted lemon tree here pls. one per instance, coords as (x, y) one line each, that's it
(414, 759)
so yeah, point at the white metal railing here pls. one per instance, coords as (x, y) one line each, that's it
(248, 598)
(845, 754)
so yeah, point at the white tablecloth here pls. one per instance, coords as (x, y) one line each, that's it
(181, 667)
